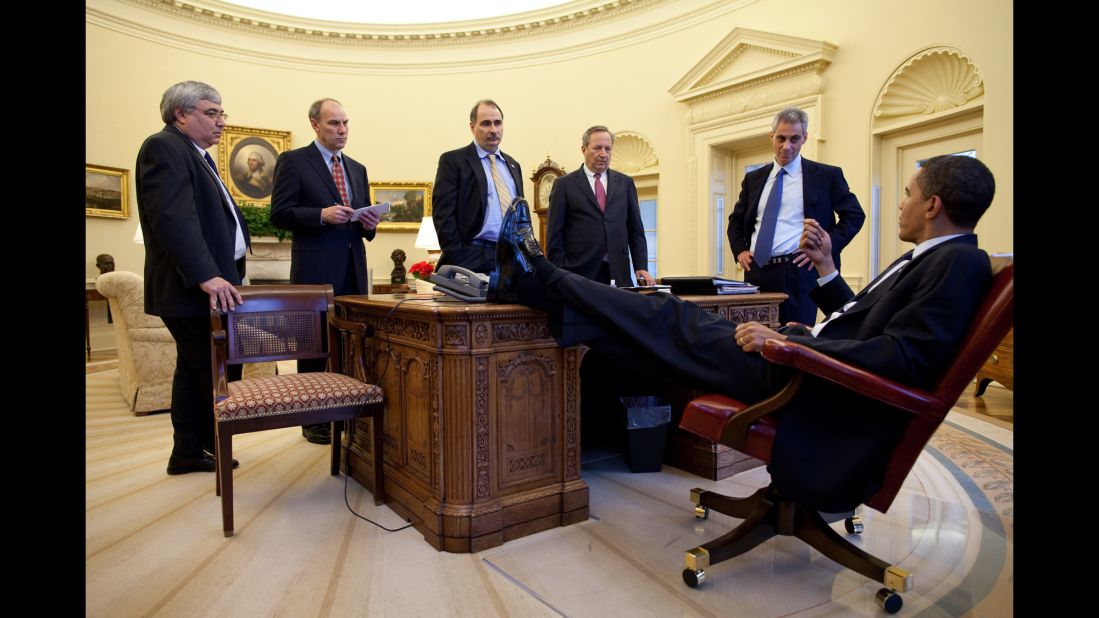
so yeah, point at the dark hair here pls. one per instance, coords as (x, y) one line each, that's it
(964, 184)
(473, 112)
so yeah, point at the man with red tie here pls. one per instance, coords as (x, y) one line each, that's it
(317, 189)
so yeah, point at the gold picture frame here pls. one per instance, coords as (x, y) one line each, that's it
(106, 192)
(409, 203)
(246, 162)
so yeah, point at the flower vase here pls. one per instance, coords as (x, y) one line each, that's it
(424, 287)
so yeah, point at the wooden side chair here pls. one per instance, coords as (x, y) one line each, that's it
(288, 322)
(751, 430)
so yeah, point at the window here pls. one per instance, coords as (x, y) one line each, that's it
(648, 221)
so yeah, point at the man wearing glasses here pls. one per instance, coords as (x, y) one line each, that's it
(195, 242)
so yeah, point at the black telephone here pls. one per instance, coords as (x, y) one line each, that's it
(460, 283)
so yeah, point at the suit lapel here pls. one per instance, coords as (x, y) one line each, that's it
(581, 180)
(514, 169)
(230, 205)
(320, 167)
(352, 175)
(474, 163)
(612, 188)
(810, 181)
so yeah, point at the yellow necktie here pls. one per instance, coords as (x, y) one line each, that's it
(501, 188)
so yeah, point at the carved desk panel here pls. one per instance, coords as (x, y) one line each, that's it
(482, 419)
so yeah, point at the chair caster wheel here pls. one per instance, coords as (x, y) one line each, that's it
(694, 579)
(853, 524)
(702, 512)
(887, 599)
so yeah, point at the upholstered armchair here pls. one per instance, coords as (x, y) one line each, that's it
(146, 350)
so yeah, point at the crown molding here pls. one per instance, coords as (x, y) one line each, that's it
(309, 44)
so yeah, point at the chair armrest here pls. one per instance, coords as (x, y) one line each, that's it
(356, 346)
(865, 383)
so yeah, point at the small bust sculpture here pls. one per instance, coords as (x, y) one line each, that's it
(398, 274)
(105, 263)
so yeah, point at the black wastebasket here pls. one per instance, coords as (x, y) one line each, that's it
(647, 420)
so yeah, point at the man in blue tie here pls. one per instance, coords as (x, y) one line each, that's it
(195, 243)
(765, 225)
(832, 444)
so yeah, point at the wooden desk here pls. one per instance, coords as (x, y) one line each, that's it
(482, 419)
(90, 294)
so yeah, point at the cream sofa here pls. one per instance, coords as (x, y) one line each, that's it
(146, 350)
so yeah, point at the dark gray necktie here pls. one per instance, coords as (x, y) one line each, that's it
(765, 240)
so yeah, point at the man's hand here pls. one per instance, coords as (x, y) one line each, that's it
(370, 219)
(336, 214)
(645, 278)
(816, 244)
(223, 296)
(751, 335)
(744, 258)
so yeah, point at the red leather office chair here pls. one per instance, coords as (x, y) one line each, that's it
(750, 430)
(284, 322)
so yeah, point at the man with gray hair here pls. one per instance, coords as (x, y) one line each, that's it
(766, 223)
(195, 244)
(317, 189)
(594, 226)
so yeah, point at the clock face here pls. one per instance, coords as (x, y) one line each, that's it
(544, 187)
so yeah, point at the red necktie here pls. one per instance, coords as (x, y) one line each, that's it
(337, 175)
(600, 195)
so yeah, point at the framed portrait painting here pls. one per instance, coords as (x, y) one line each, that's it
(409, 202)
(246, 161)
(106, 192)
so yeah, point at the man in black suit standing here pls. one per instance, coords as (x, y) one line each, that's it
(473, 186)
(317, 189)
(832, 446)
(594, 223)
(773, 202)
(195, 244)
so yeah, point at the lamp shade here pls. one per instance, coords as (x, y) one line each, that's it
(427, 239)
(139, 238)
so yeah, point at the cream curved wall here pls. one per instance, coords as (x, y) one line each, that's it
(410, 103)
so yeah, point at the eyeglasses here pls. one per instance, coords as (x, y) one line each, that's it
(212, 113)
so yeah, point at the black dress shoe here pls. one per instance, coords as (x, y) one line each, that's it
(516, 248)
(183, 465)
(320, 433)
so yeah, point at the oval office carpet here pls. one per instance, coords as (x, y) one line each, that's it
(154, 547)
(951, 526)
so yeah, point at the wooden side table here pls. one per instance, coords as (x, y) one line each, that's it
(1000, 366)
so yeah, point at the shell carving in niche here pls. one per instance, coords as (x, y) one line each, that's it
(935, 81)
(631, 153)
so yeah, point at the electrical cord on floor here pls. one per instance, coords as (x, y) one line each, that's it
(347, 475)
(351, 426)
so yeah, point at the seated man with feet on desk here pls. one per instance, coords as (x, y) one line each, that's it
(830, 453)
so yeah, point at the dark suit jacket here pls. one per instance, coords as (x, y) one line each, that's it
(832, 445)
(303, 186)
(826, 197)
(580, 235)
(190, 233)
(459, 198)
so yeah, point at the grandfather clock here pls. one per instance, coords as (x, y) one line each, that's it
(543, 179)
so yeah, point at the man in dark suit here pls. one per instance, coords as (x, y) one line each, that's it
(473, 186)
(831, 447)
(808, 190)
(195, 243)
(317, 189)
(594, 221)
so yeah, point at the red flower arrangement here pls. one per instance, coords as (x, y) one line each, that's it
(421, 270)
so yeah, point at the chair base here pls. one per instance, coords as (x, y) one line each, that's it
(767, 514)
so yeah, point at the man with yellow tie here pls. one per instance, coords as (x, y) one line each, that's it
(474, 185)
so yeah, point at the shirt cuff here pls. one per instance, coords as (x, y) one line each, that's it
(826, 278)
